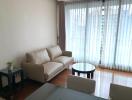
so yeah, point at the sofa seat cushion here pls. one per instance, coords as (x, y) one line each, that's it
(38, 57)
(54, 52)
(64, 59)
(51, 68)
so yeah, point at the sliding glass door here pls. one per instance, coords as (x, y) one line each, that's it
(100, 32)
(123, 58)
(82, 20)
(93, 32)
(75, 27)
(109, 32)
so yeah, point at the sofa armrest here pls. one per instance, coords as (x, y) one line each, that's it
(67, 53)
(34, 71)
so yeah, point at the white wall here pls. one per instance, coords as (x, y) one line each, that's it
(25, 25)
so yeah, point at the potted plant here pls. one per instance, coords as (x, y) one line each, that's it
(10, 65)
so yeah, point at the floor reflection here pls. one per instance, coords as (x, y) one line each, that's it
(103, 79)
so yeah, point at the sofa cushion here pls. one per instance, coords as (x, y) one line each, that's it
(54, 51)
(51, 68)
(38, 57)
(64, 59)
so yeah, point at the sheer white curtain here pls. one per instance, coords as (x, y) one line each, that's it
(75, 29)
(100, 32)
(123, 59)
(83, 29)
(93, 32)
(109, 32)
(117, 35)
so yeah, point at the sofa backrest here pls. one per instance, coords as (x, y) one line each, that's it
(54, 51)
(38, 57)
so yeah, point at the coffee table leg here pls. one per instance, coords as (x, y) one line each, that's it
(92, 74)
(73, 73)
(78, 74)
(22, 78)
(88, 75)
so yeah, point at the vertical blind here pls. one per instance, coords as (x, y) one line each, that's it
(100, 32)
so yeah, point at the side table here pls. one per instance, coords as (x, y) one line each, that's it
(11, 79)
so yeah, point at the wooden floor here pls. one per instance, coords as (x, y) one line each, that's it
(103, 79)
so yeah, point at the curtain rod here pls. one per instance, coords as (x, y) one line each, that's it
(77, 1)
(70, 1)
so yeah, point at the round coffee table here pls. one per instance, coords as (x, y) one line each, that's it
(85, 68)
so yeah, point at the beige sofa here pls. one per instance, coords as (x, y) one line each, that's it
(42, 65)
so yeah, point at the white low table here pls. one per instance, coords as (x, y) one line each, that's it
(85, 68)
